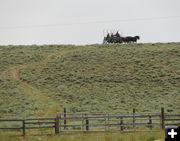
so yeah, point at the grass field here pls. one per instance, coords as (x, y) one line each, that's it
(41, 80)
(142, 136)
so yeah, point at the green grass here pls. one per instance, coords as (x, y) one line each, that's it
(93, 78)
(141, 136)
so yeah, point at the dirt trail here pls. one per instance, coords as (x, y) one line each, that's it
(50, 106)
(33, 91)
(12, 72)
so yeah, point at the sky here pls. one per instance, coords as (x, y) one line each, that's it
(80, 22)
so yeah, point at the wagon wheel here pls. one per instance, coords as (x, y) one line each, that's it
(105, 41)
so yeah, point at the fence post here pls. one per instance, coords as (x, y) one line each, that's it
(87, 124)
(57, 125)
(105, 124)
(23, 127)
(150, 122)
(108, 122)
(82, 123)
(64, 118)
(121, 123)
(60, 123)
(134, 120)
(162, 118)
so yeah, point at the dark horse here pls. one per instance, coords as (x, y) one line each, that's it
(130, 39)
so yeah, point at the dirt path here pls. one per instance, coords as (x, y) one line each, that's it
(50, 106)
(12, 72)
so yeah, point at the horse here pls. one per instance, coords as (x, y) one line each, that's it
(130, 39)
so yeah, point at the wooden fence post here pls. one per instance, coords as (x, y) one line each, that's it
(87, 124)
(57, 125)
(150, 122)
(82, 123)
(105, 124)
(108, 122)
(23, 127)
(121, 123)
(162, 119)
(60, 123)
(64, 118)
(134, 120)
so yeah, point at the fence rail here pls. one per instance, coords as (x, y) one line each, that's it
(96, 122)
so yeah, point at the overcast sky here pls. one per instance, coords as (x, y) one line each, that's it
(83, 21)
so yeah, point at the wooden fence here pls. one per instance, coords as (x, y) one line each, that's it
(66, 123)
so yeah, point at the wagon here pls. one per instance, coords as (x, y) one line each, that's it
(112, 39)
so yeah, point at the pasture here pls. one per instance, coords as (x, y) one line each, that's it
(37, 81)
(143, 136)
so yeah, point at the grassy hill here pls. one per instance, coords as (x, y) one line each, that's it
(41, 80)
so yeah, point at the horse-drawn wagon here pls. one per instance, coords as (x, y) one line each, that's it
(116, 38)
(113, 39)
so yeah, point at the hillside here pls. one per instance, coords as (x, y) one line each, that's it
(41, 80)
